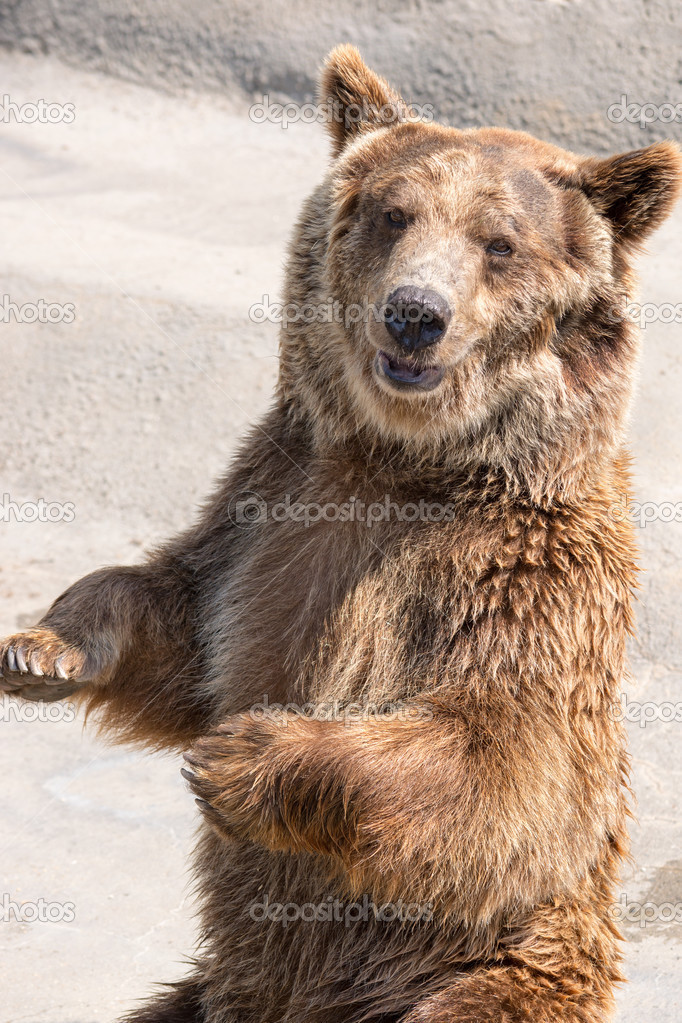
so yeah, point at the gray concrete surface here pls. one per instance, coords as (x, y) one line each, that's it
(163, 219)
(549, 66)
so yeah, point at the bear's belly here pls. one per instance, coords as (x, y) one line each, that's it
(286, 944)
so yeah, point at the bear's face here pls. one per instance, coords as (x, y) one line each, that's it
(452, 255)
(476, 281)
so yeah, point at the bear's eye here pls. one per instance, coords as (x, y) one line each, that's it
(396, 218)
(500, 247)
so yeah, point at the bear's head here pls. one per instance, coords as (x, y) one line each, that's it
(462, 292)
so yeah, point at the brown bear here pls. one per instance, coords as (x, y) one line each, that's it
(393, 642)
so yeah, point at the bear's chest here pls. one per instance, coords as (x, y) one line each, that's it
(352, 606)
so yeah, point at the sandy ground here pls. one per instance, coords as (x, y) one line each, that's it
(163, 220)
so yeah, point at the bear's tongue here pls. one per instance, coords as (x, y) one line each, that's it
(404, 371)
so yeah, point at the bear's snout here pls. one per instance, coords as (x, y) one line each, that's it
(416, 318)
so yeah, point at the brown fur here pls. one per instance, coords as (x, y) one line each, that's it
(502, 803)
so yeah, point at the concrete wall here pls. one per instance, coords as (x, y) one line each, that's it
(553, 67)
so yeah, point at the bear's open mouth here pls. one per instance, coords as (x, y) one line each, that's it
(403, 374)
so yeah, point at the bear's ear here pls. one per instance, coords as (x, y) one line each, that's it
(635, 190)
(354, 98)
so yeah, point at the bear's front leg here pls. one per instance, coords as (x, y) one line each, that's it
(121, 640)
(39, 665)
(421, 807)
(254, 779)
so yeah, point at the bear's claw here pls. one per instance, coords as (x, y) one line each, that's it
(37, 664)
(212, 815)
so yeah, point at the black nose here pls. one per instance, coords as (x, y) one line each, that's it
(415, 318)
